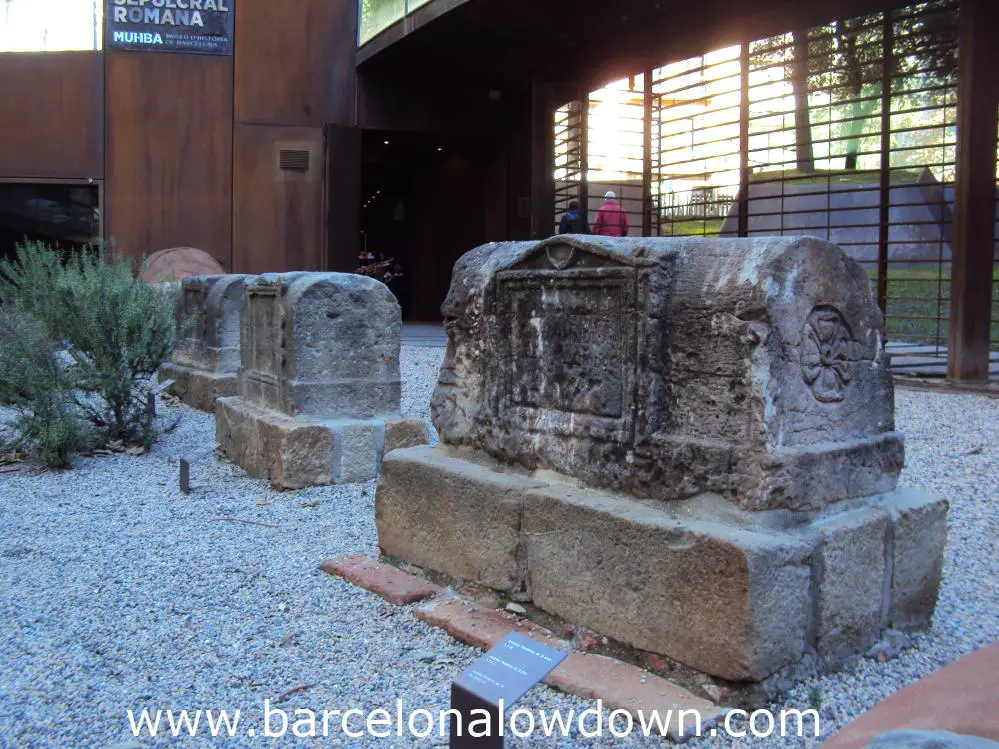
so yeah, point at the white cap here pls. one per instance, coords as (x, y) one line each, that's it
(609, 195)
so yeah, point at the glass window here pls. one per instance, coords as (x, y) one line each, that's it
(51, 25)
(378, 15)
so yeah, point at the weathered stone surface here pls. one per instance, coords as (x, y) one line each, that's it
(292, 454)
(919, 532)
(909, 739)
(196, 388)
(453, 516)
(404, 433)
(686, 446)
(357, 450)
(318, 344)
(205, 356)
(853, 580)
(318, 380)
(729, 601)
(666, 367)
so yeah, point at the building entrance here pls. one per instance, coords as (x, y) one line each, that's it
(422, 207)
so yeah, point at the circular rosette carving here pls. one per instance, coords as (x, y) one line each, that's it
(828, 350)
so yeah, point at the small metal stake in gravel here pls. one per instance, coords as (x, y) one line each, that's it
(185, 466)
(153, 392)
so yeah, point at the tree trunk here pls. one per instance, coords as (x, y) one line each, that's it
(855, 80)
(802, 118)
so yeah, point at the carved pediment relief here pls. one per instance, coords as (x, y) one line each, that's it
(566, 254)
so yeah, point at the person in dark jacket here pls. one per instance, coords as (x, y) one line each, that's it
(611, 219)
(573, 221)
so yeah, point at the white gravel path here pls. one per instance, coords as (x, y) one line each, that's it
(119, 592)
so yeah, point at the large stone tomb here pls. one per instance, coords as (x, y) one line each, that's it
(206, 352)
(318, 381)
(687, 446)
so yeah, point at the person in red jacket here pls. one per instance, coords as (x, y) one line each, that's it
(611, 219)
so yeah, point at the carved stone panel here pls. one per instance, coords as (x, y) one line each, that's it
(193, 305)
(262, 343)
(568, 337)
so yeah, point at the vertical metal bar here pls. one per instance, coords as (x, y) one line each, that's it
(185, 475)
(744, 140)
(647, 155)
(884, 197)
(584, 144)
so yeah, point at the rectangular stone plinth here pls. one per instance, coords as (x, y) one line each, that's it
(722, 599)
(198, 388)
(453, 516)
(734, 594)
(296, 453)
(919, 533)
(852, 572)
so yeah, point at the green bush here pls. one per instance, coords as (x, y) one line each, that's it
(115, 331)
(34, 382)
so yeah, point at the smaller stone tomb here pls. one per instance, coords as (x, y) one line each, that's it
(318, 383)
(685, 445)
(206, 352)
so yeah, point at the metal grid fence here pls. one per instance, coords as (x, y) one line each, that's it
(845, 131)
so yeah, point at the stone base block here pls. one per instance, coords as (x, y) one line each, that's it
(295, 453)
(918, 535)
(737, 595)
(196, 387)
(851, 575)
(454, 516)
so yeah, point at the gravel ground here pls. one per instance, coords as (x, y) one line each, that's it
(119, 593)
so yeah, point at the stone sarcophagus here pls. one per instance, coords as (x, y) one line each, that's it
(318, 381)
(685, 445)
(667, 369)
(206, 352)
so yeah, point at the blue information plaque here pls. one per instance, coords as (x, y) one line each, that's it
(499, 678)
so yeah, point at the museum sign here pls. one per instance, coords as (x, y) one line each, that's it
(194, 26)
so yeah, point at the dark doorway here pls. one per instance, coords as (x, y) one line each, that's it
(424, 202)
(67, 215)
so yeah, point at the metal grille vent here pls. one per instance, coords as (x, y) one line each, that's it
(294, 160)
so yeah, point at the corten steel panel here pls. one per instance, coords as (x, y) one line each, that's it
(169, 152)
(52, 115)
(278, 213)
(295, 62)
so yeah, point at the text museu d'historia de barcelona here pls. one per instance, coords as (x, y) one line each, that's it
(170, 25)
